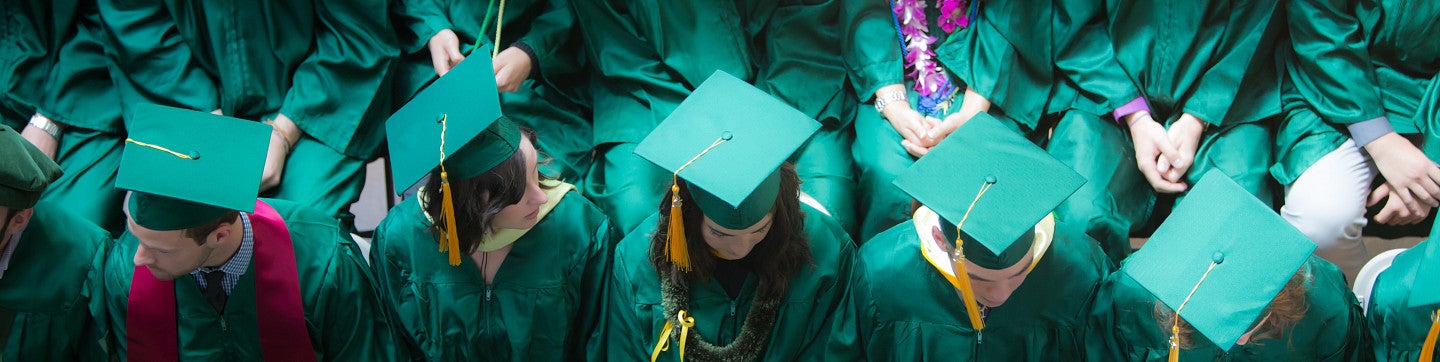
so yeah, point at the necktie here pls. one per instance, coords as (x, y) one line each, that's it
(215, 289)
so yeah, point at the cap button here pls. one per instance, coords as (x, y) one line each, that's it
(990, 179)
(194, 155)
(1218, 258)
(726, 135)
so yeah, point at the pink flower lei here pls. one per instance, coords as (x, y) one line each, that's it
(928, 76)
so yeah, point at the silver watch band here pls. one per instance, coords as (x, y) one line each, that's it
(44, 124)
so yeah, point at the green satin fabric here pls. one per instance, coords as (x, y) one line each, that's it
(1398, 332)
(32, 34)
(871, 45)
(626, 186)
(48, 287)
(90, 160)
(648, 56)
(343, 311)
(634, 316)
(1123, 325)
(555, 104)
(326, 66)
(878, 158)
(902, 309)
(322, 179)
(543, 304)
(999, 58)
(1355, 62)
(1115, 198)
(1211, 62)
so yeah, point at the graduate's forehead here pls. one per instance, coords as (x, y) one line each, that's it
(170, 240)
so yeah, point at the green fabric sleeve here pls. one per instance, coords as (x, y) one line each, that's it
(550, 36)
(1220, 84)
(1331, 66)
(356, 327)
(591, 272)
(871, 46)
(341, 91)
(1088, 59)
(79, 91)
(626, 338)
(637, 90)
(418, 21)
(153, 63)
(391, 284)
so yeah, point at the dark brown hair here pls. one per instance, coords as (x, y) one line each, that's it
(775, 260)
(478, 199)
(199, 233)
(1288, 307)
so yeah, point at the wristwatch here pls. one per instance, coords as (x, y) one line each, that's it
(887, 99)
(44, 124)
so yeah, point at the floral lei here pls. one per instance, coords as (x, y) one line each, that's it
(754, 331)
(928, 75)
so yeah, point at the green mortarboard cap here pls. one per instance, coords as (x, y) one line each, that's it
(188, 168)
(1428, 274)
(477, 138)
(24, 171)
(1021, 184)
(1255, 253)
(735, 183)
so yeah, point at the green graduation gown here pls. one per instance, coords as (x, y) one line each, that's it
(45, 293)
(905, 310)
(554, 101)
(635, 317)
(1355, 61)
(544, 302)
(1205, 62)
(800, 65)
(55, 65)
(327, 66)
(1123, 325)
(1396, 331)
(343, 312)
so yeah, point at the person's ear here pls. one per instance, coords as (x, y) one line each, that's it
(20, 219)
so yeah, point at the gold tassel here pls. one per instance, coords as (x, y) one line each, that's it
(972, 308)
(447, 206)
(1175, 340)
(677, 250)
(1428, 351)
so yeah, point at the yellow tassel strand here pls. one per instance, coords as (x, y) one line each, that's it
(1427, 353)
(972, 308)
(686, 322)
(962, 274)
(451, 244)
(1175, 328)
(677, 249)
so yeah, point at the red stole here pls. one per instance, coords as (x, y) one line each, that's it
(152, 333)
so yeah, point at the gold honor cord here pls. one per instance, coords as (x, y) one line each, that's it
(1427, 353)
(451, 244)
(192, 156)
(962, 274)
(1175, 325)
(686, 322)
(676, 248)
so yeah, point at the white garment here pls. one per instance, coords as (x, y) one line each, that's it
(1327, 204)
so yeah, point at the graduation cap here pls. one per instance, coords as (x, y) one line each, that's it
(453, 127)
(25, 172)
(994, 186)
(1219, 259)
(187, 168)
(727, 140)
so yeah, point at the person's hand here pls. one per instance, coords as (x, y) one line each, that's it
(283, 135)
(1152, 143)
(923, 145)
(41, 139)
(1411, 176)
(1395, 212)
(445, 51)
(1184, 134)
(512, 67)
